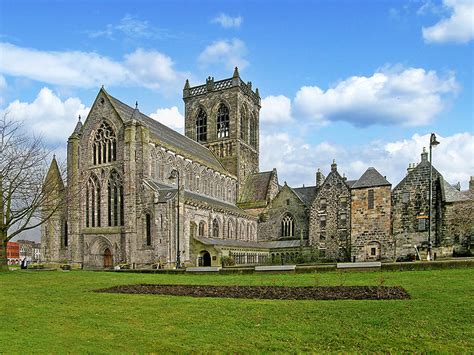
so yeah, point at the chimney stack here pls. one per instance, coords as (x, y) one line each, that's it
(471, 184)
(424, 155)
(319, 178)
(333, 166)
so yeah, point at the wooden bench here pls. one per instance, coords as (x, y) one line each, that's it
(203, 269)
(360, 265)
(276, 268)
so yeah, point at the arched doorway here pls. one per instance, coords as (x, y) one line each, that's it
(204, 258)
(108, 262)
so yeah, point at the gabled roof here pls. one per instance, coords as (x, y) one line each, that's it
(167, 136)
(371, 178)
(256, 187)
(450, 193)
(421, 165)
(306, 194)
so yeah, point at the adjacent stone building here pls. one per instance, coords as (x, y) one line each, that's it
(329, 223)
(370, 217)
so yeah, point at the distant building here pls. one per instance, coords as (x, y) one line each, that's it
(13, 253)
(29, 250)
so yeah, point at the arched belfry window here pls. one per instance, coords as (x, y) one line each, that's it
(201, 126)
(104, 148)
(93, 202)
(287, 226)
(244, 126)
(223, 122)
(115, 200)
(253, 132)
(215, 229)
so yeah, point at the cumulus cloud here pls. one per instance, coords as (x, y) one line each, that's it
(230, 53)
(170, 117)
(150, 69)
(276, 109)
(54, 119)
(457, 28)
(3, 86)
(297, 161)
(227, 21)
(392, 95)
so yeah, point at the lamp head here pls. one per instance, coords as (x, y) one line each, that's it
(174, 174)
(433, 141)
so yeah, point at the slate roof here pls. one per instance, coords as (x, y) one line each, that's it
(306, 194)
(450, 193)
(167, 192)
(247, 244)
(256, 187)
(371, 178)
(169, 137)
(350, 183)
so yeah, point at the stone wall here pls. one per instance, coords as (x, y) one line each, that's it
(329, 231)
(457, 226)
(286, 203)
(371, 228)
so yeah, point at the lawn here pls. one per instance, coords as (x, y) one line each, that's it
(57, 312)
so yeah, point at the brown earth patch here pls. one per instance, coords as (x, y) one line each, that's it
(269, 292)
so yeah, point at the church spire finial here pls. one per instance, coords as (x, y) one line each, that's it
(186, 85)
(79, 118)
(136, 105)
(236, 73)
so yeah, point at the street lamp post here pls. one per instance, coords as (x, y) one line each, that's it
(433, 143)
(175, 175)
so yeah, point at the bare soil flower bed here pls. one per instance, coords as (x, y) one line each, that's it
(269, 292)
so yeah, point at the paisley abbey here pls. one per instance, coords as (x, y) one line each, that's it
(141, 194)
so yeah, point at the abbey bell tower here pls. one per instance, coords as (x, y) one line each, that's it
(224, 117)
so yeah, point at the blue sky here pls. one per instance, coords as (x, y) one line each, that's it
(362, 82)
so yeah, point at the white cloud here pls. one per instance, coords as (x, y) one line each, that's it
(392, 95)
(49, 116)
(297, 161)
(276, 109)
(131, 27)
(227, 21)
(458, 28)
(150, 69)
(230, 53)
(3, 86)
(170, 117)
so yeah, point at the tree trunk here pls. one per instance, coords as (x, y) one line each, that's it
(3, 252)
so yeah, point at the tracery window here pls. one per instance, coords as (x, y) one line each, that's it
(201, 126)
(115, 200)
(253, 132)
(93, 202)
(223, 122)
(287, 226)
(215, 228)
(104, 149)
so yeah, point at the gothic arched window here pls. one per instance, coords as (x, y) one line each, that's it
(202, 227)
(215, 228)
(244, 127)
(287, 226)
(223, 122)
(148, 229)
(201, 126)
(104, 149)
(230, 229)
(93, 202)
(115, 200)
(253, 132)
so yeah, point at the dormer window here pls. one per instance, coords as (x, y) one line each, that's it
(104, 149)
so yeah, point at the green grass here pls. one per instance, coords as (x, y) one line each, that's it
(57, 312)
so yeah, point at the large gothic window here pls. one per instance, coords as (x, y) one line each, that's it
(287, 226)
(244, 127)
(104, 149)
(223, 122)
(215, 229)
(201, 126)
(115, 200)
(93, 202)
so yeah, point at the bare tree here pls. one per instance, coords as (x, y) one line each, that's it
(23, 168)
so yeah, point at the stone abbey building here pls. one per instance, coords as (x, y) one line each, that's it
(137, 192)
